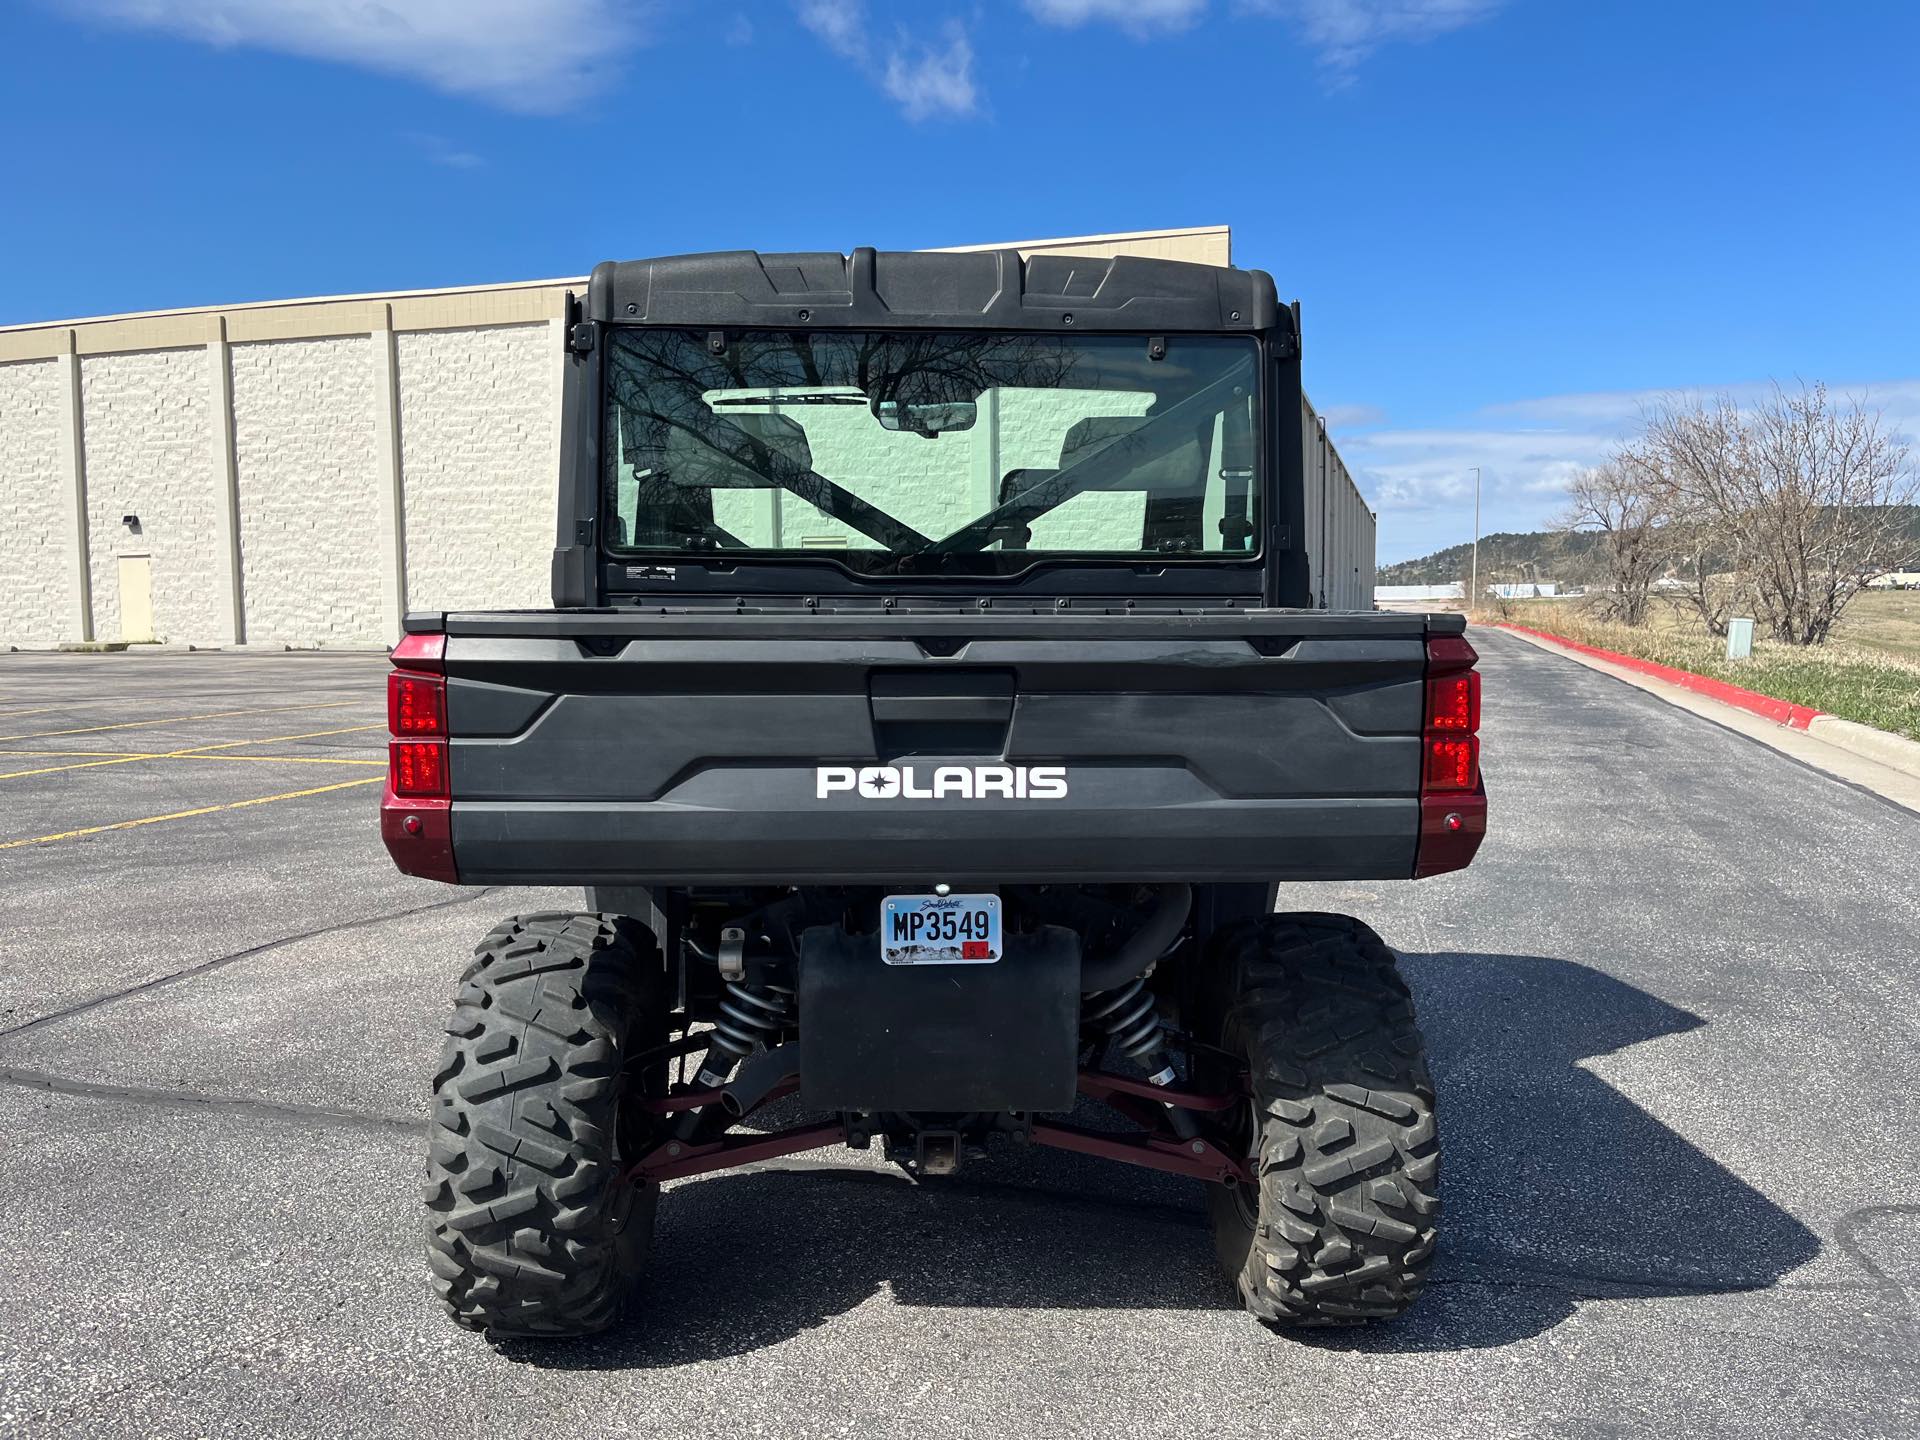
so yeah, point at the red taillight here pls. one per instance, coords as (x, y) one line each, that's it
(417, 769)
(1451, 762)
(416, 704)
(1453, 802)
(417, 718)
(416, 812)
(1453, 703)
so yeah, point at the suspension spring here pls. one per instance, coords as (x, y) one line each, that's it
(749, 1015)
(1129, 1017)
(1132, 1022)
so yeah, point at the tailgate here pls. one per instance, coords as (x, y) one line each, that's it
(601, 748)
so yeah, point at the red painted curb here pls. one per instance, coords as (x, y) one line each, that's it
(1781, 712)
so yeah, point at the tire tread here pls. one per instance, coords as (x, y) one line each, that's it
(532, 1231)
(1347, 1153)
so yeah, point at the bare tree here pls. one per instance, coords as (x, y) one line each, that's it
(1798, 499)
(1830, 485)
(1616, 501)
(1692, 459)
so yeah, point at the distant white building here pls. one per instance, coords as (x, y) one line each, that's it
(1389, 594)
(1457, 590)
(1895, 580)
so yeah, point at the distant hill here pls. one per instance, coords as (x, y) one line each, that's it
(1568, 559)
(1539, 555)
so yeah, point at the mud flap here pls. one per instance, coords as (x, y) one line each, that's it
(939, 1037)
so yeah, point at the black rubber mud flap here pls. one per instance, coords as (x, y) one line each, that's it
(995, 1037)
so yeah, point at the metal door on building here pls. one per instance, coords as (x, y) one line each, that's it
(136, 598)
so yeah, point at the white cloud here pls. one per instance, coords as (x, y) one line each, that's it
(930, 81)
(1422, 483)
(1421, 480)
(1431, 469)
(924, 79)
(1137, 17)
(530, 55)
(840, 24)
(1622, 410)
(1345, 32)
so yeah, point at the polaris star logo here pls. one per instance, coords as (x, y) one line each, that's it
(948, 782)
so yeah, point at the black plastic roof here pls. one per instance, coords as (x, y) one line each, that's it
(891, 289)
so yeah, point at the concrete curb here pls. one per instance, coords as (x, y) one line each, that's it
(1896, 752)
(1781, 712)
(1885, 763)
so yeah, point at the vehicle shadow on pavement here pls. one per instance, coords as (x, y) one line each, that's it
(1558, 1189)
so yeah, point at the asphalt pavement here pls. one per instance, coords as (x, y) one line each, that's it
(1671, 1010)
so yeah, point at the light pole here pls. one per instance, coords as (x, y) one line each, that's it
(1473, 596)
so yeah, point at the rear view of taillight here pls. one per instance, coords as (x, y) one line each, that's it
(1453, 802)
(415, 812)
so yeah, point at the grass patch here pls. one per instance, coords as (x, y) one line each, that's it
(1868, 674)
(1883, 620)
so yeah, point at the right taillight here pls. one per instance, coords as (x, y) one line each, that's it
(1453, 802)
(1453, 702)
(1453, 762)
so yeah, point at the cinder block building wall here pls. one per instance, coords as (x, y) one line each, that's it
(36, 571)
(287, 474)
(299, 473)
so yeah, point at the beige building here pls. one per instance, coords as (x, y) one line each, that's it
(301, 472)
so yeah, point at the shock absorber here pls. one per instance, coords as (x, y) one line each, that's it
(1132, 1022)
(750, 1015)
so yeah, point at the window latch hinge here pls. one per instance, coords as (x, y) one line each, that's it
(580, 339)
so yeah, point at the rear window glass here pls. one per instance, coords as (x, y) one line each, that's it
(921, 452)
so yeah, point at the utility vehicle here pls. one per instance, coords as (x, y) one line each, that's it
(931, 700)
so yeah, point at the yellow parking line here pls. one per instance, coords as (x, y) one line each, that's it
(186, 749)
(273, 739)
(241, 759)
(66, 754)
(279, 759)
(83, 765)
(187, 814)
(183, 719)
(195, 752)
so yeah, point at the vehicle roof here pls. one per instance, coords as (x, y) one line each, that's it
(932, 290)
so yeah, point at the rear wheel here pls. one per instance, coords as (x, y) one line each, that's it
(533, 1229)
(1339, 1226)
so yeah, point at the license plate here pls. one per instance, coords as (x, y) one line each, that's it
(940, 929)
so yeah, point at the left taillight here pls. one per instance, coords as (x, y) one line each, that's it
(1453, 801)
(415, 818)
(416, 705)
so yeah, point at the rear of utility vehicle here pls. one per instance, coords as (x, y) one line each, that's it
(930, 702)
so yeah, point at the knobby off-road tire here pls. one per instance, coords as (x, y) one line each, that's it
(1340, 1227)
(532, 1231)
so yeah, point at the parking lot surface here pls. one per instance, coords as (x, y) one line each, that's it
(1672, 1012)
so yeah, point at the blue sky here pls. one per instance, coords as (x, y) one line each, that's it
(1510, 222)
